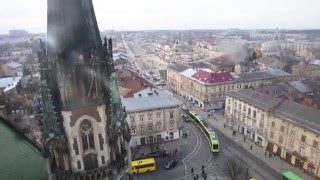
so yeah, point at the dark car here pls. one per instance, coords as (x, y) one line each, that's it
(154, 154)
(186, 119)
(172, 163)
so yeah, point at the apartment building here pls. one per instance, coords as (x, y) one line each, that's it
(207, 89)
(287, 129)
(153, 116)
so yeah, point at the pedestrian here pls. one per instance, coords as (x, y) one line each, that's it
(197, 176)
(265, 154)
(244, 139)
(158, 147)
(251, 146)
(190, 106)
(192, 171)
(202, 167)
(170, 154)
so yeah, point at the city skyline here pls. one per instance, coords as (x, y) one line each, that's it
(180, 15)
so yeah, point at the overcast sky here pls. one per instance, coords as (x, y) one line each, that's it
(174, 14)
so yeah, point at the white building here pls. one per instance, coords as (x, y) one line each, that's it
(153, 116)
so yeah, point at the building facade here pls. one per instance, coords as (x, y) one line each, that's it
(282, 127)
(207, 90)
(154, 116)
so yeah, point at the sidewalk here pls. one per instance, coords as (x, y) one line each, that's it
(274, 162)
(169, 146)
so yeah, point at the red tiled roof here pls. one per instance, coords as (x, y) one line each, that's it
(208, 77)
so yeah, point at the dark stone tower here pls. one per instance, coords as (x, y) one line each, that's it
(85, 134)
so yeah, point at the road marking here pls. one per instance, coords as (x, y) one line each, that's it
(196, 149)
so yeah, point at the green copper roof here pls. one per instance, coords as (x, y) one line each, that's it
(19, 158)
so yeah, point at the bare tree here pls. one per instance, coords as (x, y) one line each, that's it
(234, 168)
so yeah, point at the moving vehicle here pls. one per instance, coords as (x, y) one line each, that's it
(154, 154)
(184, 108)
(206, 130)
(172, 163)
(288, 175)
(143, 166)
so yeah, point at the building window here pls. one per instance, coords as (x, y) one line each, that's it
(254, 114)
(102, 160)
(171, 115)
(158, 116)
(240, 106)
(235, 104)
(313, 155)
(171, 125)
(303, 138)
(150, 117)
(280, 139)
(273, 124)
(133, 130)
(315, 144)
(101, 141)
(87, 135)
(141, 118)
(291, 143)
(249, 111)
(132, 119)
(301, 150)
(282, 128)
(150, 128)
(271, 134)
(75, 146)
(292, 133)
(159, 127)
(244, 109)
(79, 164)
(141, 130)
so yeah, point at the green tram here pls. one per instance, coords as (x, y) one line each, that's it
(206, 130)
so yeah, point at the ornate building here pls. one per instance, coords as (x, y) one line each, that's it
(85, 133)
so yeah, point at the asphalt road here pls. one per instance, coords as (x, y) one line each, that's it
(194, 155)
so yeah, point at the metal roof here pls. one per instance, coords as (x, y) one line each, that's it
(14, 65)
(188, 72)
(300, 86)
(150, 99)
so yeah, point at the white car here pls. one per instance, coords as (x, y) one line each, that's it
(184, 108)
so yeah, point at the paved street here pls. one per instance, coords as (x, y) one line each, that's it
(197, 151)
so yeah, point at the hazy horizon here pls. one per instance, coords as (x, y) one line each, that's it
(144, 15)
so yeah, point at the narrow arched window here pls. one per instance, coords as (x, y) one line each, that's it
(87, 137)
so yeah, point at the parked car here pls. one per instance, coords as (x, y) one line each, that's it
(172, 163)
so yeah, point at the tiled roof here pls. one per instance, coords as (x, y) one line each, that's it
(208, 77)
